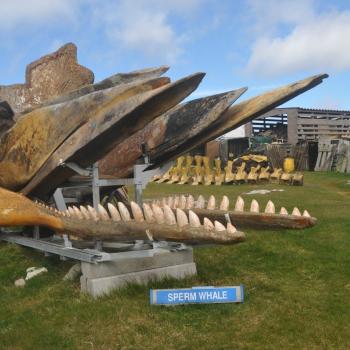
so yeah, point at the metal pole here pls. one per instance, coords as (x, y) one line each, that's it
(95, 186)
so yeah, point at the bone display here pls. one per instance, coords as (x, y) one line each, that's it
(109, 126)
(171, 131)
(216, 210)
(65, 118)
(6, 117)
(247, 110)
(196, 175)
(35, 137)
(49, 76)
(17, 210)
(114, 80)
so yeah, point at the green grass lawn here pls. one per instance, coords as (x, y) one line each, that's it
(297, 287)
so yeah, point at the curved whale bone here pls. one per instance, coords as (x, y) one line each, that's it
(17, 210)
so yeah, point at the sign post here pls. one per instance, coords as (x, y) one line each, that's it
(197, 295)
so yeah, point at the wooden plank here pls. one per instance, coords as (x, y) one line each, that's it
(168, 134)
(109, 126)
(348, 158)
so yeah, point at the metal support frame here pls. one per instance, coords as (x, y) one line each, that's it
(63, 247)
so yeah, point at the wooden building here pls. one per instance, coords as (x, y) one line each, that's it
(304, 123)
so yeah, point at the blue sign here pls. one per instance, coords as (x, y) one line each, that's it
(197, 295)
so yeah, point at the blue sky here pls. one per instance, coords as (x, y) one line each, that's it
(254, 43)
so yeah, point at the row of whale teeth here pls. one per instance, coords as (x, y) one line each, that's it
(150, 214)
(189, 202)
(47, 207)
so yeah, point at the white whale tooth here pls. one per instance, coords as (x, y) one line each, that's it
(200, 203)
(71, 211)
(194, 219)
(296, 212)
(78, 213)
(102, 212)
(270, 208)
(176, 202)
(164, 202)
(182, 202)
(211, 203)
(92, 212)
(169, 216)
(225, 203)
(149, 235)
(254, 206)
(239, 206)
(149, 216)
(208, 225)
(170, 201)
(181, 217)
(124, 212)
(136, 212)
(190, 202)
(114, 212)
(158, 214)
(283, 211)
(85, 212)
(306, 214)
(230, 228)
(219, 226)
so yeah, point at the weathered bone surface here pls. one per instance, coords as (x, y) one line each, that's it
(6, 117)
(245, 111)
(168, 133)
(17, 210)
(49, 76)
(38, 134)
(114, 80)
(252, 218)
(108, 127)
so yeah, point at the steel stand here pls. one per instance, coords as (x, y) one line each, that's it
(63, 247)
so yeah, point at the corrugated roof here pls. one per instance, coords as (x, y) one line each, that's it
(318, 110)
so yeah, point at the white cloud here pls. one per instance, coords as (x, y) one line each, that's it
(316, 42)
(268, 14)
(145, 26)
(16, 13)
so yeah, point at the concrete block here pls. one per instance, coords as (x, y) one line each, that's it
(127, 264)
(83, 284)
(101, 286)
